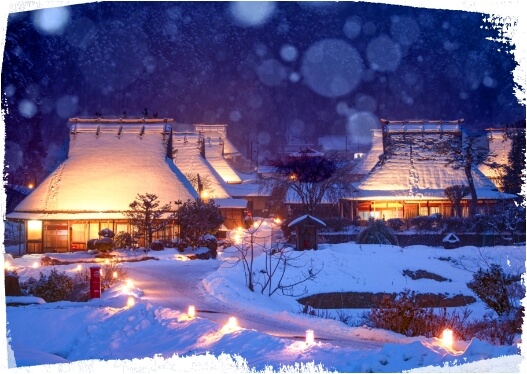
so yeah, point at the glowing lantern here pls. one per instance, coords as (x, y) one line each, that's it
(129, 283)
(79, 267)
(107, 261)
(448, 338)
(310, 336)
(115, 274)
(7, 265)
(131, 302)
(35, 265)
(232, 322)
(100, 272)
(191, 311)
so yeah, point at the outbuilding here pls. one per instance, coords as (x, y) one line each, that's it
(306, 228)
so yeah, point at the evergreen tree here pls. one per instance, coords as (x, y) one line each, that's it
(197, 218)
(147, 216)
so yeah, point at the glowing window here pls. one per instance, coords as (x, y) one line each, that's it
(34, 230)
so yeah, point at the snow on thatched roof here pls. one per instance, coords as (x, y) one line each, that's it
(107, 166)
(499, 146)
(413, 172)
(367, 162)
(188, 159)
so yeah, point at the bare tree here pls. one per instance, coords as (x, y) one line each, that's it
(312, 179)
(201, 183)
(465, 155)
(254, 241)
(455, 194)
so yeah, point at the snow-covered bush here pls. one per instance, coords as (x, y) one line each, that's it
(54, 287)
(106, 233)
(396, 224)
(336, 224)
(156, 245)
(122, 240)
(377, 232)
(403, 315)
(104, 244)
(498, 290)
(210, 242)
(427, 223)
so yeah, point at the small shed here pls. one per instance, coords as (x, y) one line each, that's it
(306, 231)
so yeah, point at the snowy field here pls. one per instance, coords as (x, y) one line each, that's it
(151, 335)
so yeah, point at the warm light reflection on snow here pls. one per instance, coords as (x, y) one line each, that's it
(131, 302)
(448, 338)
(230, 326)
(191, 311)
(310, 336)
(35, 265)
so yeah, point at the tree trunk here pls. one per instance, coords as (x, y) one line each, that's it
(473, 193)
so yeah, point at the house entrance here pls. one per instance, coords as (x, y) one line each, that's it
(56, 237)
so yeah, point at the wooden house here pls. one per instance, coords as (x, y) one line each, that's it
(409, 178)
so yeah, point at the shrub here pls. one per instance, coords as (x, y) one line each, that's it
(396, 224)
(106, 233)
(197, 218)
(104, 244)
(337, 224)
(210, 242)
(156, 245)
(478, 223)
(454, 224)
(112, 273)
(377, 233)
(80, 290)
(54, 287)
(429, 223)
(498, 331)
(123, 240)
(91, 244)
(495, 288)
(403, 315)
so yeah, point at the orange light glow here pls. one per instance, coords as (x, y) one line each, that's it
(232, 322)
(191, 311)
(35, 264)
(131, 302)
(448, 338)
(129, 283)
(115, 274)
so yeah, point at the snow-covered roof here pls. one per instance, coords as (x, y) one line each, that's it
(499, 146)
(231, 203)
(413, 172)
(188, 159)
(108, 164)
(308, 151)
(249, 188)
(367, 162)
(306, 217)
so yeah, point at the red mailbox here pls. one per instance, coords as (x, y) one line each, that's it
(95, 282)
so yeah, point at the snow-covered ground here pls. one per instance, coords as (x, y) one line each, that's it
(156, 334)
